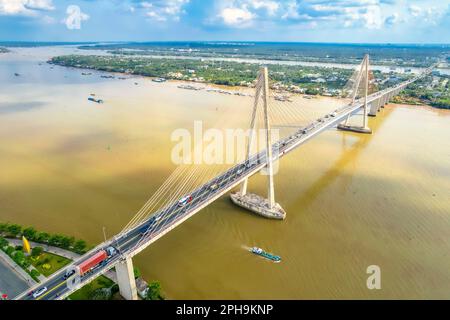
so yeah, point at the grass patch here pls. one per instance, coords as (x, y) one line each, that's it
(48, 263)
(86, 292)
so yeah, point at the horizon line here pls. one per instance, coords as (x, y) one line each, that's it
(227, 41)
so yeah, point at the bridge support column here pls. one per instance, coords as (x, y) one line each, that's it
(379, 104)
(363, 128)
(265, 207)
(383, 101)
(373, 108)
(125, 279)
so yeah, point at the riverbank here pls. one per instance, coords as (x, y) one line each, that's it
(13, 231)
(295, 79)
(323, 81)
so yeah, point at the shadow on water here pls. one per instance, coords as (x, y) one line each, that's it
(15, 107)
(349, 155)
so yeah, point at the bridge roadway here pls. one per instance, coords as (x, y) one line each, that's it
(137, 239)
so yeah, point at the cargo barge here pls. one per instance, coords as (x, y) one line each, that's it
(264, 254)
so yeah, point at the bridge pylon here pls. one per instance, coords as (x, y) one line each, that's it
(125, 279)
(265, 207)
(363, 78)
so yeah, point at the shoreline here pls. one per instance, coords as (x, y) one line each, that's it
(399, 101)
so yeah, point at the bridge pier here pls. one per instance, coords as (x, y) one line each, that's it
(265, 207)
(374, 108)
(385, 101)
(125, 279)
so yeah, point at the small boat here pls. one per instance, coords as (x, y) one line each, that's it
(95, 100)
(159, 80)
(264, 254)
(16, 74)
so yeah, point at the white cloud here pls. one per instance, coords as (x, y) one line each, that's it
(236, 17)
(45, 5)
(163, 10)
(74, 17)
(372, 18)
(24, 7)
(270, 6)
(414, 10)
(48, 20)
(241, 13)
(327, 14)
(395, 19)
(291, 10)
(155, 16)
(429, 15)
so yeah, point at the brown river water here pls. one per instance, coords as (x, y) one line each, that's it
(73, 167)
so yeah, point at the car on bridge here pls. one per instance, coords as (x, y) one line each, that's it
(213, 187)
(184, 201)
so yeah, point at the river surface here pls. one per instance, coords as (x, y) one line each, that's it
(73, 167)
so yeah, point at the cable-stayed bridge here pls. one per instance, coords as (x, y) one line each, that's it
(164, 211)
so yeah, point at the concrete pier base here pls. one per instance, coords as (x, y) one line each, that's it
(354, 129)
(258, 205)
(125, 279)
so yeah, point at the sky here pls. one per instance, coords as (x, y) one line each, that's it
(350, 21)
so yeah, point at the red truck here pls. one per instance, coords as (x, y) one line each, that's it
(89, 264)
(93, 261)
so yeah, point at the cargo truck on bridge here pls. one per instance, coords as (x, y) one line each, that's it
(89, 264)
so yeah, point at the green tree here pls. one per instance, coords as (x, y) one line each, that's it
(137, 272)
(9, 251)
(36, 251)
(26, 264)
(14, 229)
(79, 245)
(312, 91)
(3, 227)
(154, 291)
(29, 233)
(3, 242)
(19, 257)
(100, 294)
(67, 242)
(42, 237)
(56, 240)
(35, 274)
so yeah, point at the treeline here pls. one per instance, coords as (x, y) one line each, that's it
(56, 240)
(383, 54)
(228, 73)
